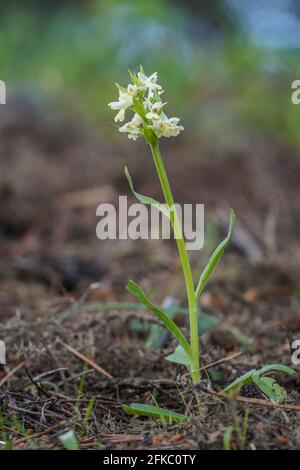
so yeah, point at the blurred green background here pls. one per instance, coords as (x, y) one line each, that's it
(227, 65)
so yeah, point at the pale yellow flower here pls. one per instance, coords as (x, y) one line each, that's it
(132, 127)
(125, 101)
(166, 127)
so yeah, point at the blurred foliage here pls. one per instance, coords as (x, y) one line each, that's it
(225, 88)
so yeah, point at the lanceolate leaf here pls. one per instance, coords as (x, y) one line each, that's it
(158, 334)
(153, 411)
(135, 290)
(179, 356)
(215, 257)
(270, 388)
(146, 199)
(245, 379)
(278, 367)
(267, 385)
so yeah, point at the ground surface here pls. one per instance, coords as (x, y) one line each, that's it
(62, 292)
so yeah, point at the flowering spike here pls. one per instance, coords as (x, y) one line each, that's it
(142, 97)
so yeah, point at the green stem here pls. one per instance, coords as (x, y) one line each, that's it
(185, 263)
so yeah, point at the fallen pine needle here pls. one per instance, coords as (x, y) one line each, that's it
(10, 374)
(220, 361)
(87, 360)
(13, 371)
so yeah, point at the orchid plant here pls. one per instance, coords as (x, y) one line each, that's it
(142, 99)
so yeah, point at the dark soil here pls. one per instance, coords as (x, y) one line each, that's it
(61, 288)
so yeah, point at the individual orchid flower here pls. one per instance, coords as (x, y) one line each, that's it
(125, 101)
(166, 127)
(154, 109)
(149, 83)
(132, 127)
